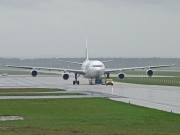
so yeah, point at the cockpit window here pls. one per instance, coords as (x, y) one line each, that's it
(97, 65)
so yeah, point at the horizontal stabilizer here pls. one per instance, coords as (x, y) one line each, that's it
(71, 62)
(106, 61)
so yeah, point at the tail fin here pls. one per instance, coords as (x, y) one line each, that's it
(87, 58)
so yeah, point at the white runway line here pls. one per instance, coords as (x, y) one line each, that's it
(6, 118)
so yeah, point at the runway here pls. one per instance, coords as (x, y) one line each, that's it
(165, 98)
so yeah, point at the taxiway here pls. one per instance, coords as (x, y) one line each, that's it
(165, 98)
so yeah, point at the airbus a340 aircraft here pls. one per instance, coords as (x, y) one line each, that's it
(89, 69)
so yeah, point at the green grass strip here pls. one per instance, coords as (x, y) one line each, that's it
(85, 116)
(156, 72)
(6, 90)
(166, 81)
(22, 72)
(39, 94)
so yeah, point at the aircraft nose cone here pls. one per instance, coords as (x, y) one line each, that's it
(99, 72)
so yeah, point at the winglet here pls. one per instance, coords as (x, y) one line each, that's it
(3, 64)
(87, 58)
(106, 61)
(176, 63)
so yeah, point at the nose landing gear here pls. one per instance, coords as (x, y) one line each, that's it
(91, 82)
(76, 81)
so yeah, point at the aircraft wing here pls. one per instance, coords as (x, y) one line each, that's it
(49, 69)
(133, 68)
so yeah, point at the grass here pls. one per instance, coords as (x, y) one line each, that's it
(156, 72)
(172, 78)
(166, 81)
(34, 92)
(85, 116)
(39, 94)
(6, 90)
(23, 72)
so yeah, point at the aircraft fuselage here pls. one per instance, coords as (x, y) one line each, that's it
(93, 69)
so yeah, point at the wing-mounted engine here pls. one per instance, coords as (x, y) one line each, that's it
(65, 76)
(121, 76)
(149, 72)
(34, 73)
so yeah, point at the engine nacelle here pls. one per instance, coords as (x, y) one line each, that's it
(65, 76)
(34, 73)
(149, 72)
(121, 76)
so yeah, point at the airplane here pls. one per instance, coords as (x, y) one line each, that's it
(90, 69)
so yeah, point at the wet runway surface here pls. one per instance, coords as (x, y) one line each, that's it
(165, 98)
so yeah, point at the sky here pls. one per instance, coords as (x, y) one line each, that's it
(114, 28)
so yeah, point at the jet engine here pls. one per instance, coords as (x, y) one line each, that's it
(34, 73)
(149, 72)
(121, 76)
(65, 76)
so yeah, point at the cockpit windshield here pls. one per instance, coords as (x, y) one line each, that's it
(97, 65)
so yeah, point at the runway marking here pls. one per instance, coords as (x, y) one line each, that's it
(6, 118)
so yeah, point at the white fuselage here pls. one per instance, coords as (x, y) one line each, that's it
(93, 69)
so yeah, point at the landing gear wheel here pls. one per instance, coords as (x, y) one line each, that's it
(91, 82)
(76, 81)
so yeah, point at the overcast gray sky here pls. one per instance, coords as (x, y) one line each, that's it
(115, 28)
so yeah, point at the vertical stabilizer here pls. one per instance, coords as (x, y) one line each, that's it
(87, 58)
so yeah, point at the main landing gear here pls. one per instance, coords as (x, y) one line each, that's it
(107, 75)
(76, 81)
(91, 81)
